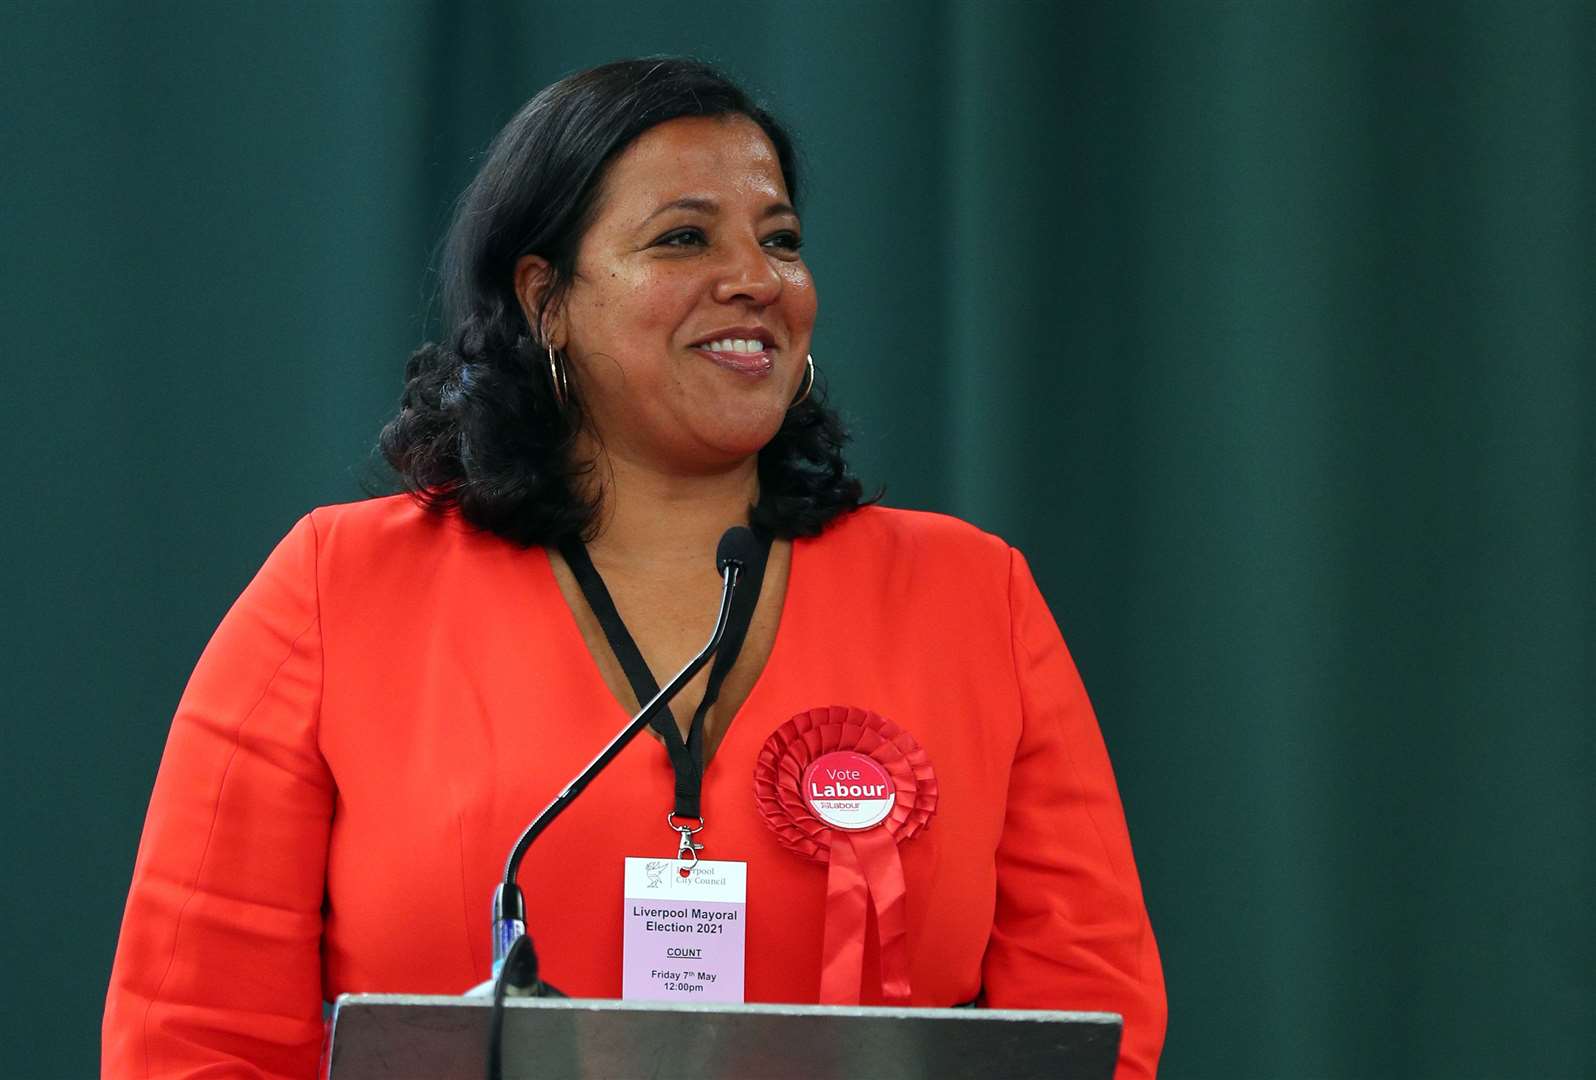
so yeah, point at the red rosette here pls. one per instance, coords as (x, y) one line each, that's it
(865, 872)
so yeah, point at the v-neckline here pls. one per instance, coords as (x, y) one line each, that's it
(619, 712)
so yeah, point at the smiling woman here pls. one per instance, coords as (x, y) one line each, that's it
(626, 218)
(627, 373)
(667, 281)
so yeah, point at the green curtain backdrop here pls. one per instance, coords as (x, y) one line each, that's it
(1265, 329)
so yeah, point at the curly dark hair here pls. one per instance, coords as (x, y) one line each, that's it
(479, 428)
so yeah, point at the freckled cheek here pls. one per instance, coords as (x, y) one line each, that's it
(643, 299)
(799, 296)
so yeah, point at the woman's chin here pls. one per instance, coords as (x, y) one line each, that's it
(730, 441)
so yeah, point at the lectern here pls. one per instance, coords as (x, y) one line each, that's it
(400, 1036)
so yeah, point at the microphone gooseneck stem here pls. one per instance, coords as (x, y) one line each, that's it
(509, 906)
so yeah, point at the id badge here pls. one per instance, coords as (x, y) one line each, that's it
(683, 937)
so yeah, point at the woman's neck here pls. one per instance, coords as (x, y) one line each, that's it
(658, 523)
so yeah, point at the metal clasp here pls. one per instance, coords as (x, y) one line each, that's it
(686, 849)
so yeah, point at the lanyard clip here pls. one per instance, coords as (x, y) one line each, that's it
(686, 849)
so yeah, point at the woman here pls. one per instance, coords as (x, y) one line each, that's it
(409, 679)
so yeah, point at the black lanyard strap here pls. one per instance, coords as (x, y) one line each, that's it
(687, 758)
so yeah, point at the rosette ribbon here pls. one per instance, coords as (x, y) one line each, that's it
(864, 869)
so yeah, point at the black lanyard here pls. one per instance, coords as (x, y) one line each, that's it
(687, 758)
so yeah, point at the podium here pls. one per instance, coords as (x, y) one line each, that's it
(400, 1036)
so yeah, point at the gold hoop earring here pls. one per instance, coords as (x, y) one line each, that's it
(558, 380)
(809, 383)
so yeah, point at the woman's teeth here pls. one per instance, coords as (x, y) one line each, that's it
(744, 345)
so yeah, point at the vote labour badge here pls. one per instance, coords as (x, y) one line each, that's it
(845, 787)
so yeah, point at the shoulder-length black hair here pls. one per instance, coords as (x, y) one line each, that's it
(479, 428)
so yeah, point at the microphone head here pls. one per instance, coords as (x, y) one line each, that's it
(736, 546)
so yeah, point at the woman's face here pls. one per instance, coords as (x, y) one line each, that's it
(689, 318)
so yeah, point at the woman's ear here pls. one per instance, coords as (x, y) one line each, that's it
(533, 275)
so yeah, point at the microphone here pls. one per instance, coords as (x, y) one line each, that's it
(736, 548)
(735, 551)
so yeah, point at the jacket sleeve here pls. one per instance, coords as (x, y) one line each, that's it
(218, 968)
(1070, 929)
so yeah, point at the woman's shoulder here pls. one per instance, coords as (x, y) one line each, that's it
(394, 537)
(395, 522)
(918, 539)
(381, 514)
(890, 524)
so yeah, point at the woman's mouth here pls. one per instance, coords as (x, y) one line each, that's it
(746, 356)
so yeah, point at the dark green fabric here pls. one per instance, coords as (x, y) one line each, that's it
(1264, 329)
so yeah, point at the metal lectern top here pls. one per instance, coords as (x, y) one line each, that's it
(399, 1036)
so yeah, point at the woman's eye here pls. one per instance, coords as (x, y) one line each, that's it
(785, 239)
(681, 238)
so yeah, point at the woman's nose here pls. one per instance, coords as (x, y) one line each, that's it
(747, 274)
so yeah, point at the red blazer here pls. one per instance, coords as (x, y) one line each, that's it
(395, 695)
